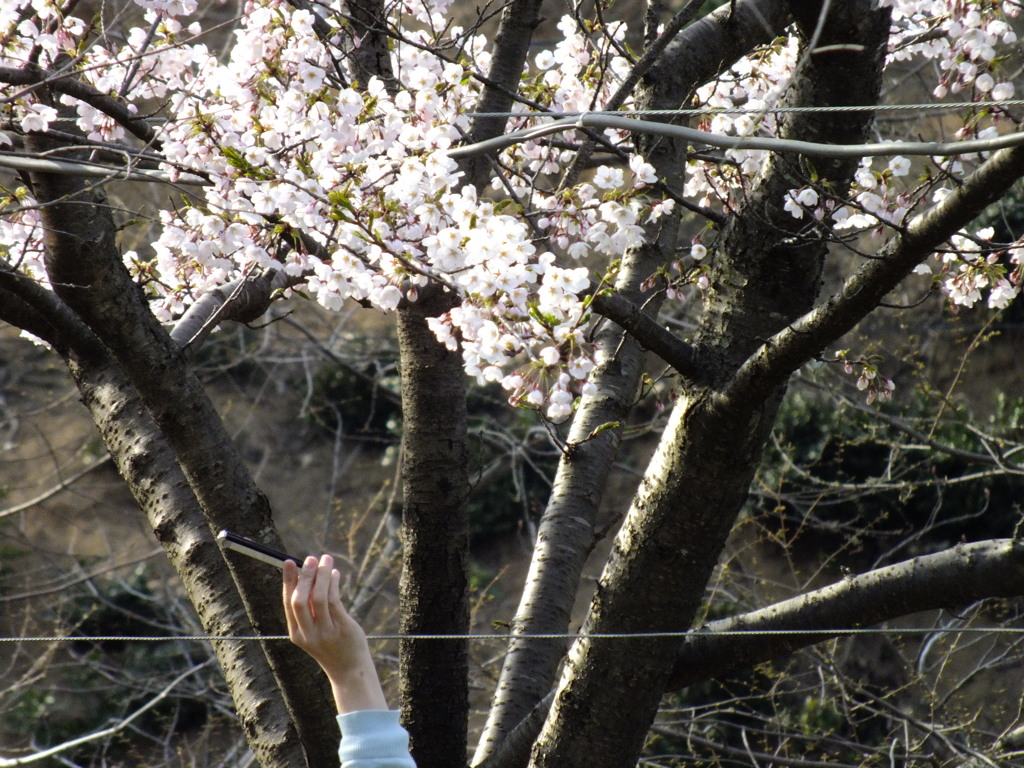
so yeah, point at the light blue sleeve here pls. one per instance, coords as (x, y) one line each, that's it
(373, 738)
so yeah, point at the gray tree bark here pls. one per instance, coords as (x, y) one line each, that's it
(511, 45)
(698, 480)
(85, 268)
(958, 576)
(946, 580)
(566, 531)
(150, 471)
(435, 527)
(434, 590)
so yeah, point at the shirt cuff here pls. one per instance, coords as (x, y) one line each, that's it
(373, 735)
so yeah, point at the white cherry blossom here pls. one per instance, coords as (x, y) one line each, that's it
(349, 189)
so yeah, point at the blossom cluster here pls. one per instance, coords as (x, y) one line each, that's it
(963, 37)
(346, 185)
(869, 379)
(578, 74)
(973, 264)
(740, 103)
(969, 41)
(876, 198)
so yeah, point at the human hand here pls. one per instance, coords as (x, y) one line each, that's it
(319, 624)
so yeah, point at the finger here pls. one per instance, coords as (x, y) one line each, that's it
(338, 612)
(321, 588)
(300, 596)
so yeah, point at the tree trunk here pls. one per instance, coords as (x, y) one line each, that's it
(696, 484)
(434, 587)
(85, 268)
(153, 477)
(566, 530)
(512, 39)
(654, 582)
(156, 482)
(369, 53)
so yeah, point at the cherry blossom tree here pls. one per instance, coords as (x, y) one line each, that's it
(525, 233)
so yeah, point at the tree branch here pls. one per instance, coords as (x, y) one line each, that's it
(805, 338)
(242, 300)
(657, 573)
(117, 727)
(37, 310)
(957, 576)
(148, 465)
(711, 44)
(151, 472)
(70, 86)
(964, 574)
(20, 314)
(433, 594)
(650, 56)
(681, 355)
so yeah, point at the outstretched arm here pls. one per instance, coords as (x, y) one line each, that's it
(319, 624)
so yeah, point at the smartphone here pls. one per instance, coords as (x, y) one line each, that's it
(255, 550)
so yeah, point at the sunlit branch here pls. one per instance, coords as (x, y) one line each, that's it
(650, 333)
(724, 748)
(61, 586)
(120, 725)
(63, 485)
(242, 300)
(787, 350)
(959, 575)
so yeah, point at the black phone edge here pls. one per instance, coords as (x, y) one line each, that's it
(255, 550)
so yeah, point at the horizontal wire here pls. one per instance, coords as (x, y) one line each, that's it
(780, 110)
(670, 130)
(540, 636)
(700, 111)
(595, 118)
(107, 171)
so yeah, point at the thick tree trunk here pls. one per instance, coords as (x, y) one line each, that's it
(699, 478)
(153, 477)
(565, 535)
(156, 482)
(434, 587)
(566, 530)
(654, 582)
(369, 52)
(85, 268)
(958, 576)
